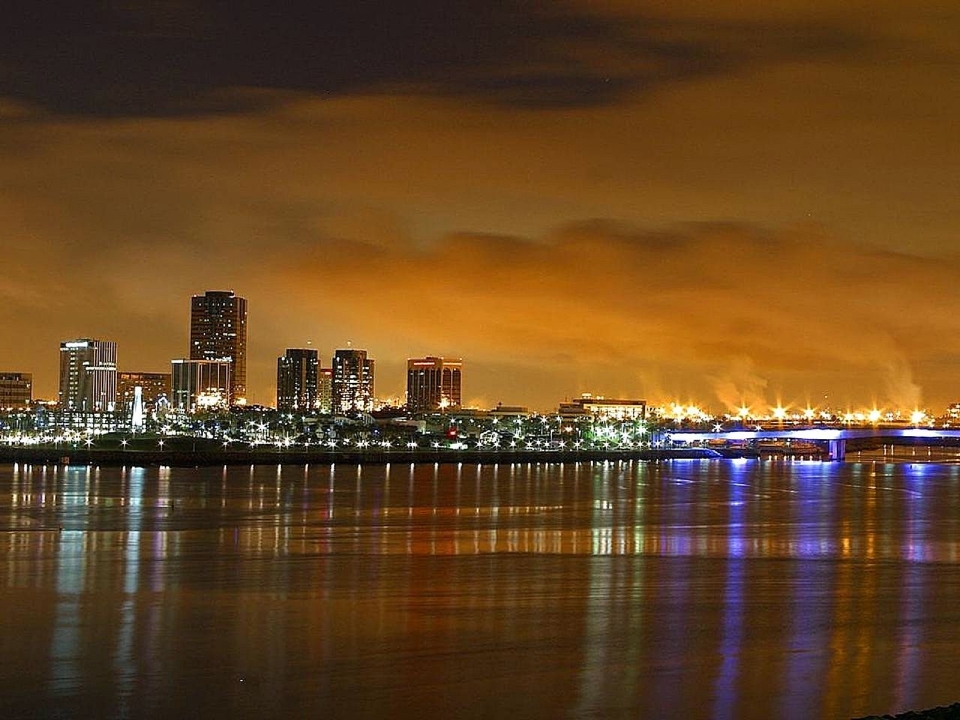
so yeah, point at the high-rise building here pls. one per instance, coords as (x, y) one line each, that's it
(325, 390)
(352, 382)
(88, 375)
(154, 387)
(200, 384)
(433, 383)
(16, 390)
(297, 379)
(218, 331)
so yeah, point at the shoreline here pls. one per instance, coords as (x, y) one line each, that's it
(287, 456)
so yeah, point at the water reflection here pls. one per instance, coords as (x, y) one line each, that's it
(700, 588)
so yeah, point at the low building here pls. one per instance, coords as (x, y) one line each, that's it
(509, 411)
(82, 422)
(600, 407)
(155, 389)
(953, 412)
(16, 390)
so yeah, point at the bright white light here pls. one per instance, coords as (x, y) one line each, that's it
(920, 432)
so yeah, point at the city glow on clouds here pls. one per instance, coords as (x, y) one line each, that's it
(727, 205)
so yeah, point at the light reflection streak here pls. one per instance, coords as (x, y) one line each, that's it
(123, 657)
(595, 657)
(71, 559)
(912, 600)
(725, 686)
(807, 619)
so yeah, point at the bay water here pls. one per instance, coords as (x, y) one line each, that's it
(695, 589)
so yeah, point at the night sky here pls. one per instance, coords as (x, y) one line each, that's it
(735, 202)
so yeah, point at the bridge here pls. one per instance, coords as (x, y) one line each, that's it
(835, 439)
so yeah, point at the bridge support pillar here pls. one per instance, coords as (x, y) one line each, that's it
(837, 449)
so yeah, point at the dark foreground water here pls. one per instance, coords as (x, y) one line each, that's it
(710, 589)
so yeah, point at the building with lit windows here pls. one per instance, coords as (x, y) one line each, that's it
(325, 390)
(154, 388)
(352, 382)
(433, 383)
(16, 391)
(600, 407)
(218, 331)
(953, 412)
(297, 379)
(88, 375)
(200, 384)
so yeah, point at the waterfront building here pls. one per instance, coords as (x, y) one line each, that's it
(154, 389)
(200, 384)
(88, 375)
(218, 332)
(502, 412)
(297, 380)
(82, 422)
(325, 390)
(352, 382)
(588, 405)
(16, 390)
(433, 383)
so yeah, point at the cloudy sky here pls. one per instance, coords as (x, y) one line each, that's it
(714, 202)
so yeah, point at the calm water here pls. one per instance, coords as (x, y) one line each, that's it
(713, 589)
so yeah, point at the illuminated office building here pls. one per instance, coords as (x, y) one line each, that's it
(325, 390)
(352, 382)
(88, 375)
(200, 384)
(218, 331)
(297, 380)
(433, 383)
(16, 390)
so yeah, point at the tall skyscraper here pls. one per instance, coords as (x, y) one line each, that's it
(433, 383)
(297, 379)
(88, 375)
(16, 390)
(200, 384)
(352, 382)
(218, 331)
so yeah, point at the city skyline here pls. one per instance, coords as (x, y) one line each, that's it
(431, 383)
(724, 203)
